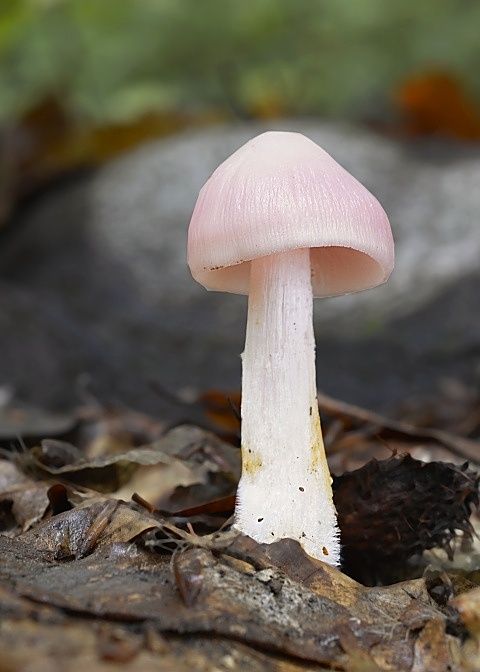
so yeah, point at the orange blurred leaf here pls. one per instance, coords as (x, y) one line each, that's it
(437, 103)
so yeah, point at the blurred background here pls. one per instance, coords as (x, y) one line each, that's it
(81, 80)
(87, 86)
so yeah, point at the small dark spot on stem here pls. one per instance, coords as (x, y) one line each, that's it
(301, 489)
(259, 520)
(310, 410)
(325, 550)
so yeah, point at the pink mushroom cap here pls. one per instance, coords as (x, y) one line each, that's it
(278, 192)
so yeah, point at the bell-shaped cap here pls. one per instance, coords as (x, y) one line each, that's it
(278, 192)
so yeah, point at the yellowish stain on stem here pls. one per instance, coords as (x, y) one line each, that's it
(251, 461)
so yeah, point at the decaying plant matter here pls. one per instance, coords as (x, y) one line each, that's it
(149, 574)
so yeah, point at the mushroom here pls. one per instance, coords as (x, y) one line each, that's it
(281, 221)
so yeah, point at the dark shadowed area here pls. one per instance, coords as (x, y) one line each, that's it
(96, 293)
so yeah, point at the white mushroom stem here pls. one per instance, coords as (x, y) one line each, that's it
(285, 489)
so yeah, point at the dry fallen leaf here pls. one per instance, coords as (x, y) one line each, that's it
(323, 618)
(23, 500)
(152, 590)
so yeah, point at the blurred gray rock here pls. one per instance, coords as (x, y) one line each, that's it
(94, 284)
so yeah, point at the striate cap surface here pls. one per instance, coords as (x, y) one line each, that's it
(281, 191)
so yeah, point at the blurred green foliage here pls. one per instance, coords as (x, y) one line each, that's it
(112, 60)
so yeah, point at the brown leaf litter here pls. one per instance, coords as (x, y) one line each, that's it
(115, 533)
